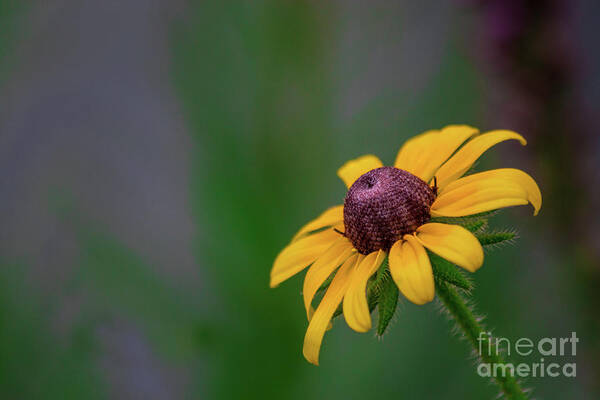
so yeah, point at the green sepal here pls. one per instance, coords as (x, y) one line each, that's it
(375, 283)
(466, 219)
(374, 286)
(476, 225)
(495, 238)
(445, 271)
(388, 301)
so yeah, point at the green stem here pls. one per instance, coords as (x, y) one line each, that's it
(478, 337)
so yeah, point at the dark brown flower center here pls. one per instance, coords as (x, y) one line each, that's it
(383, 205)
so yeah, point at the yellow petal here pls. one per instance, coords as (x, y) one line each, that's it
(323, 267)
(353, 169)
(329, 217)
(464, 158)
(423, 154)
(410, 154)
(411, 270)
(487, 191)
(356, 309)
(452, 242)
(300, 254)
(311, 312)
(320, 320)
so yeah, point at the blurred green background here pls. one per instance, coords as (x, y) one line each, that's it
(156, 156)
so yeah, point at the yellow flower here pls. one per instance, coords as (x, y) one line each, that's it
(387, 211)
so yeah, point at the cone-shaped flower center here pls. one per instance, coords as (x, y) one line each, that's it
(384, 204)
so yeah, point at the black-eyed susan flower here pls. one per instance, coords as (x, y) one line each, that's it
(387, 213)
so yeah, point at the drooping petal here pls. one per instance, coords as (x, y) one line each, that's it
(464, 158)
(329, 217)
(320, 320)
(311, 312)
(300, 254)
(487, 191)
(452, 242)
(411, 270)
(423, 154)
(353, 169)
(356, 309)
(323, 267)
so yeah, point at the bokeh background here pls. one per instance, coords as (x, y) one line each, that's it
(155, 155)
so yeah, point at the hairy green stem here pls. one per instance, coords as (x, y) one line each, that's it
(478, 337)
